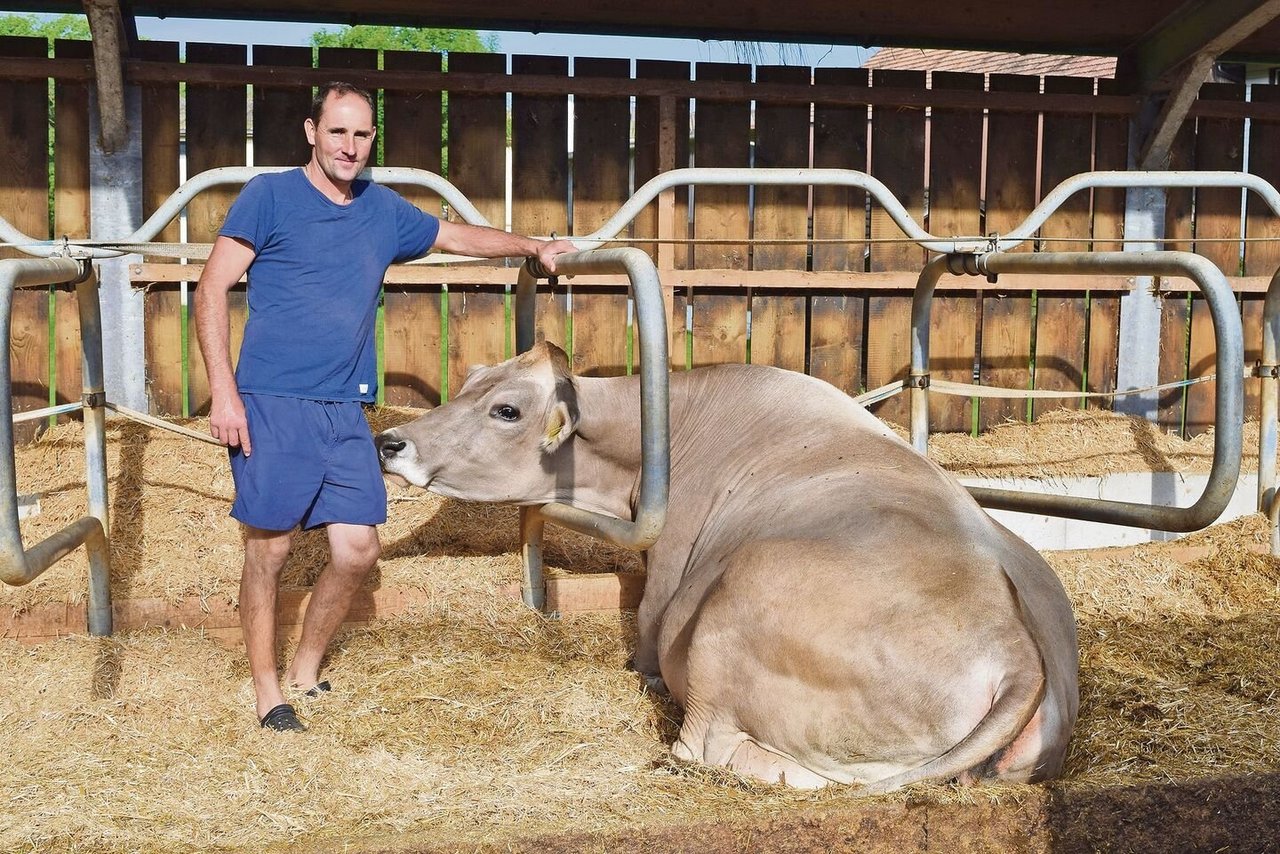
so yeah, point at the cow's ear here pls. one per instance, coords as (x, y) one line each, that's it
(560, 426)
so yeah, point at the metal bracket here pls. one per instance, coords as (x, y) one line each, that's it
(918, 381)
(94, 399)
(1266, 372)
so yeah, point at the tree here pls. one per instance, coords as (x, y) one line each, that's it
(405, 38)
(61, 27)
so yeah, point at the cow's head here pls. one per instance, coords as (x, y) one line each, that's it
(497, 439)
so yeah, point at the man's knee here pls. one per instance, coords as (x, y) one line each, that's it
(265, 552)
(354, 548)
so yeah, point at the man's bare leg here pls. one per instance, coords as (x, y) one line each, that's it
(353, 550)
(264, 555)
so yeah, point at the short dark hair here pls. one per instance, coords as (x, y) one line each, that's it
(338, 89)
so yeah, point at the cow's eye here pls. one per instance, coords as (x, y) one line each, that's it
(506, 412)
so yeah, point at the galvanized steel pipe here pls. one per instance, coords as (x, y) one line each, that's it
(1228, 402)
(19, 565)
(655, 433)
(1269, 399)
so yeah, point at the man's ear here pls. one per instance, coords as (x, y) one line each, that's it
(560, 426)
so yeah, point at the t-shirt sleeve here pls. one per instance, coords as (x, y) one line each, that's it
(250, 216)
(416, 230)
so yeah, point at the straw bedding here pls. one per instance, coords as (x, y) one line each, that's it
(473, 722)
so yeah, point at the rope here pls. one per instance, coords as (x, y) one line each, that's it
(151, 420)
(970, 390)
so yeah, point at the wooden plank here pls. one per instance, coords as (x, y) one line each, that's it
(721, 138)
(1060, 347)
(1251, 323)
(1179, 225)
(1219, 146)
(413, 339)
(215, 137)
(280, 111)
(477, 131)
(1174, 319)
(1067, 142)
(1201, 361)
(650, 142)
(601, 165)
(24, 175)
(1263, 258)
(840, 141)
(70, 212)
(1103, 347)
(955, 171)
(777, 335)
(836, 337)
(889, 353)
(413, 125)
(1011, 193)
(594, 592)
(412, 344)
(540, 177)
(1061, 322)
(898, 161)
(1111, 146)
(164, 306)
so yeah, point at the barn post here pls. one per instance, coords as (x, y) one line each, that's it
(1138, 360)
(115, 205)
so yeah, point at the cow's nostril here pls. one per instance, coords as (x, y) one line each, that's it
(388, 448)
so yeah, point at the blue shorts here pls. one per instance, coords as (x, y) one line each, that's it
(313, 463)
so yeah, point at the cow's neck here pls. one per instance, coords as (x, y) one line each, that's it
(605, 453)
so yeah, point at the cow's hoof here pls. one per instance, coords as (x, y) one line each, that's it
(656, 685)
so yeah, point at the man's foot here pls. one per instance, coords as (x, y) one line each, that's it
(283, 718)
(319, 688)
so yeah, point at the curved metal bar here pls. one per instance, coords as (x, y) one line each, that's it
(19, 565)
(225, 175)
(1228, 402)
(655, 434)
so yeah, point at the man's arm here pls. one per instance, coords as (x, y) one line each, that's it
(227, 262)
(479, 241)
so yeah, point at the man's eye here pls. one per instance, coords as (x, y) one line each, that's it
(506, 412)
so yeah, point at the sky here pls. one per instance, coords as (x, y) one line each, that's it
(545, 44)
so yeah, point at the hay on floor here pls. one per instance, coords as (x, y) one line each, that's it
(472, 718)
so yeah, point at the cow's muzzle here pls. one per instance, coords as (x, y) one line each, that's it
(388, 446)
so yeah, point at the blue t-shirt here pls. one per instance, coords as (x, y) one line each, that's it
(314, 282)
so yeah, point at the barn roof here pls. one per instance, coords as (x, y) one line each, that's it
(992, 62)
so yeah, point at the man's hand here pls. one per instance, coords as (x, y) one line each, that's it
(228, 424)
(548, 251)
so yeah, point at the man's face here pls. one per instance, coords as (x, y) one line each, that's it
(344, 138)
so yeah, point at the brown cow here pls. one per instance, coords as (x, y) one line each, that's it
(826, 604)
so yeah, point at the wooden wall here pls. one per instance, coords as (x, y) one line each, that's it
(830, 295)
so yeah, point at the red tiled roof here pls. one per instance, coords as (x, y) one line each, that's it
(919, 59)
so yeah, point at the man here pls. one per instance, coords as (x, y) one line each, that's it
(316, 243)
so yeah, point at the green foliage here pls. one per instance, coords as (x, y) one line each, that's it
(61, 27)
(405, 38)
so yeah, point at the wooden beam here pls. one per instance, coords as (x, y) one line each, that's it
(109, 52)
(1197, 28)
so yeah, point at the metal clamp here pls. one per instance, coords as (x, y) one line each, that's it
(94, 399)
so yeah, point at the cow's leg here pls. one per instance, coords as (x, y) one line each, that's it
(353, 550)
(264, 555)
(729, 747)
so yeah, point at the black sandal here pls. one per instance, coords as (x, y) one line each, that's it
(283, 718)
(317, 689)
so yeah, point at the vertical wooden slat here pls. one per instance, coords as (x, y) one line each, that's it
(215, 137)
(1178, 210)
(955, 157)
(279, 112)
(1111, 146)
(721, 137)
(648, 144)
(1262, 226)
(840, 141)
(1104, 346)
(601, 151)
(1012, 139)
(412, 137)
(782, 141)
(1061, 327)
(1219, 145)
(477, 167)
(540, 174)
(1174, 317)
(24, 173)
(898, 161)
(70, 209)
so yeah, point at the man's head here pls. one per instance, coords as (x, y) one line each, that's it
(340, 130)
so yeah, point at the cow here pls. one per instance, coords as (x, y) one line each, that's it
(826, 604)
